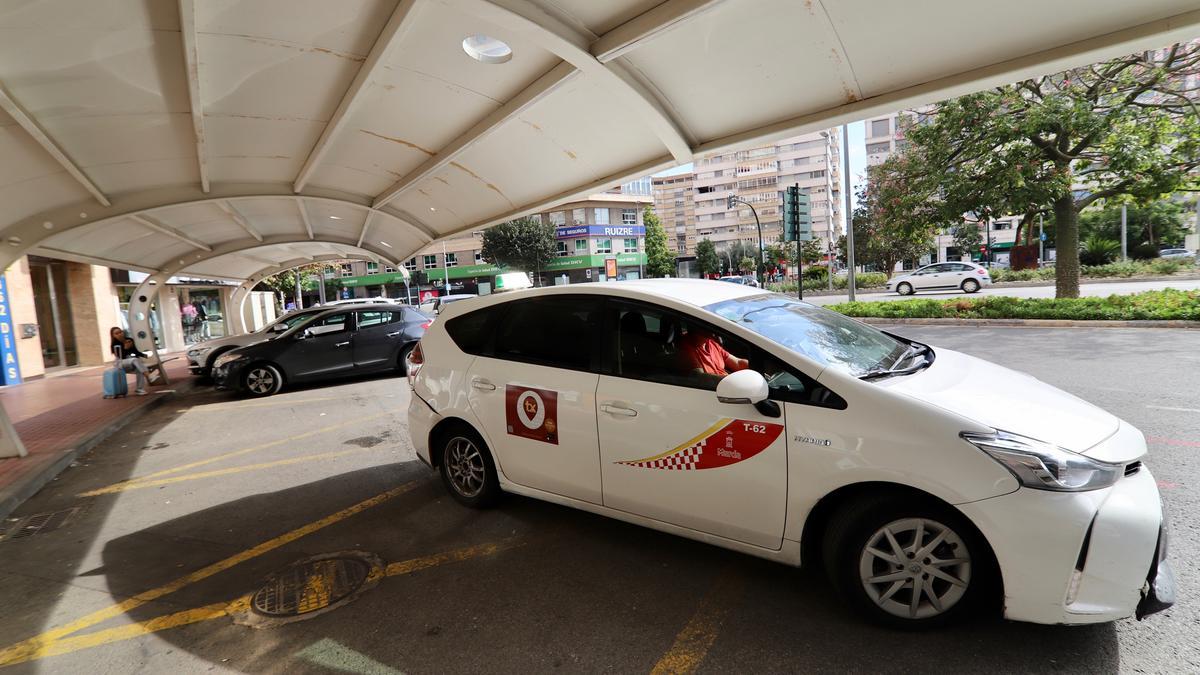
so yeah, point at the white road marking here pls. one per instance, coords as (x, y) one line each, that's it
(1163, 407)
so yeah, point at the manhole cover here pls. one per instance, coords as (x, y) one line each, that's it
(311, 585)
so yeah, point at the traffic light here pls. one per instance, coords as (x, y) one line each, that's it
(732, 203)
(797, 224)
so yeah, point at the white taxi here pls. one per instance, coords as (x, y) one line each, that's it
(757, 422)
(947, 276)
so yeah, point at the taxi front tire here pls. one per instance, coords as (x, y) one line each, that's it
(904, 288)
(881, 552)
(467, 469)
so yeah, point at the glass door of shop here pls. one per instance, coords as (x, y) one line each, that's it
(55, 329)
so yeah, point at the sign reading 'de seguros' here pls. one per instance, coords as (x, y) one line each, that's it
(573, 231)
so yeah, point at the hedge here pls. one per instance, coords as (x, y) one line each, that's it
(1168, 304)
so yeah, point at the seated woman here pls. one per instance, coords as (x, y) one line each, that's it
(129, 359)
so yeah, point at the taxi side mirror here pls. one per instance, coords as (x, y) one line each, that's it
(744, 386)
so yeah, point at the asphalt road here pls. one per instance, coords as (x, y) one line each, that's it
(195, 506)
(1047, 291)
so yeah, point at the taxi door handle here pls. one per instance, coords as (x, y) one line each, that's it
(394, 333)
(482, 384)
(618, 409)
(342, 344)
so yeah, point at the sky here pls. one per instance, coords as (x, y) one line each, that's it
(858, 158)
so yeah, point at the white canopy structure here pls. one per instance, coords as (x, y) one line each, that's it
(231, 138)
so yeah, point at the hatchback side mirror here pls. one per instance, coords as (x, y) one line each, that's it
(744, 386)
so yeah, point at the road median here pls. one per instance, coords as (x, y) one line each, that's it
(1162, 308)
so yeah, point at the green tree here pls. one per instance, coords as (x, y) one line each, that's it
(660, 261)
(525, 244)
(1149, 228)
(746, 265)
(778, 254)
(706, 257)
(897, 215)
(1126, 128)
(810, 251)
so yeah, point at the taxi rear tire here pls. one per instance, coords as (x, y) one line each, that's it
(871, 555)
(904, 288)
(467, 469)
(970, 286)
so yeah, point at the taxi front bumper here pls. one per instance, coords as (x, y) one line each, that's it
(1080, 557)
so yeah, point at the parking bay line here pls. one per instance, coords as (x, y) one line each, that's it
(142, 483)
(693, 642)
(33, 647)
(243, 451)
(66, 645)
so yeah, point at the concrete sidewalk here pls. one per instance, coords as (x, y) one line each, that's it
(62, 416)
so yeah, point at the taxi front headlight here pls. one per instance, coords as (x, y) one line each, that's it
(1043, 466)
(198, 351)
(227, 358)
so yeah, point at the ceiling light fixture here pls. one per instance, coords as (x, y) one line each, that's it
(335, 217)
(487, 49)
(384, 243)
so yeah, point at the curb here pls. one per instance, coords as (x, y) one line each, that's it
(13, 496)
(1033, 323)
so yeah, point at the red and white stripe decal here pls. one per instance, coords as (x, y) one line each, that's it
(727, 442)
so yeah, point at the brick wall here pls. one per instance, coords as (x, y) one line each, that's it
(93, 312)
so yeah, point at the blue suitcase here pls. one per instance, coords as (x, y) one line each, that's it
(115, 384)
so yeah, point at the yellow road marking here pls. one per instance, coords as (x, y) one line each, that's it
(458, 555)
(236, 453)
(66, 645)
(142, 483)
(693, 642)
(33, 647)
(223, 407)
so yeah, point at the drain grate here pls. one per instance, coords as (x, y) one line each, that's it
(38, 523)
(310, 585)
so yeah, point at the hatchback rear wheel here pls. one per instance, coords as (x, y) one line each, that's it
(970, 286)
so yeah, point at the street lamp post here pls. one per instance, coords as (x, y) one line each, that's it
(758, 264)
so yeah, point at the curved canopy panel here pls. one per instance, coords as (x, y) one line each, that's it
(172, 134)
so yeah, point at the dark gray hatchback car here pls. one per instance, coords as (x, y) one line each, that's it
(339, 342)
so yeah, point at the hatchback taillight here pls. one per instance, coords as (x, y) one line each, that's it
(426, 325)
(981, 271)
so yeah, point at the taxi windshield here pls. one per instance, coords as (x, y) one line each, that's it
(826, 337)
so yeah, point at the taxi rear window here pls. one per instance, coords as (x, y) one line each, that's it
(470, 331)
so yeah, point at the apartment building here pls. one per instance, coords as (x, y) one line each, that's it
(695, 206)
(675, 206)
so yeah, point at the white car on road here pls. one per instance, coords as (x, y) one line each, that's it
(922, 492)
(948, 276)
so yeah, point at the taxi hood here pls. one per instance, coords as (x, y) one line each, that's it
(1008, 400)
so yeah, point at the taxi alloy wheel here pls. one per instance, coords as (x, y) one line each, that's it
(262, 380)
(468, 471)
(970, 286)
(915, 568)
(906, 562)
(904, 288)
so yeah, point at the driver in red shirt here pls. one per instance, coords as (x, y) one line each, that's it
(703, 353)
